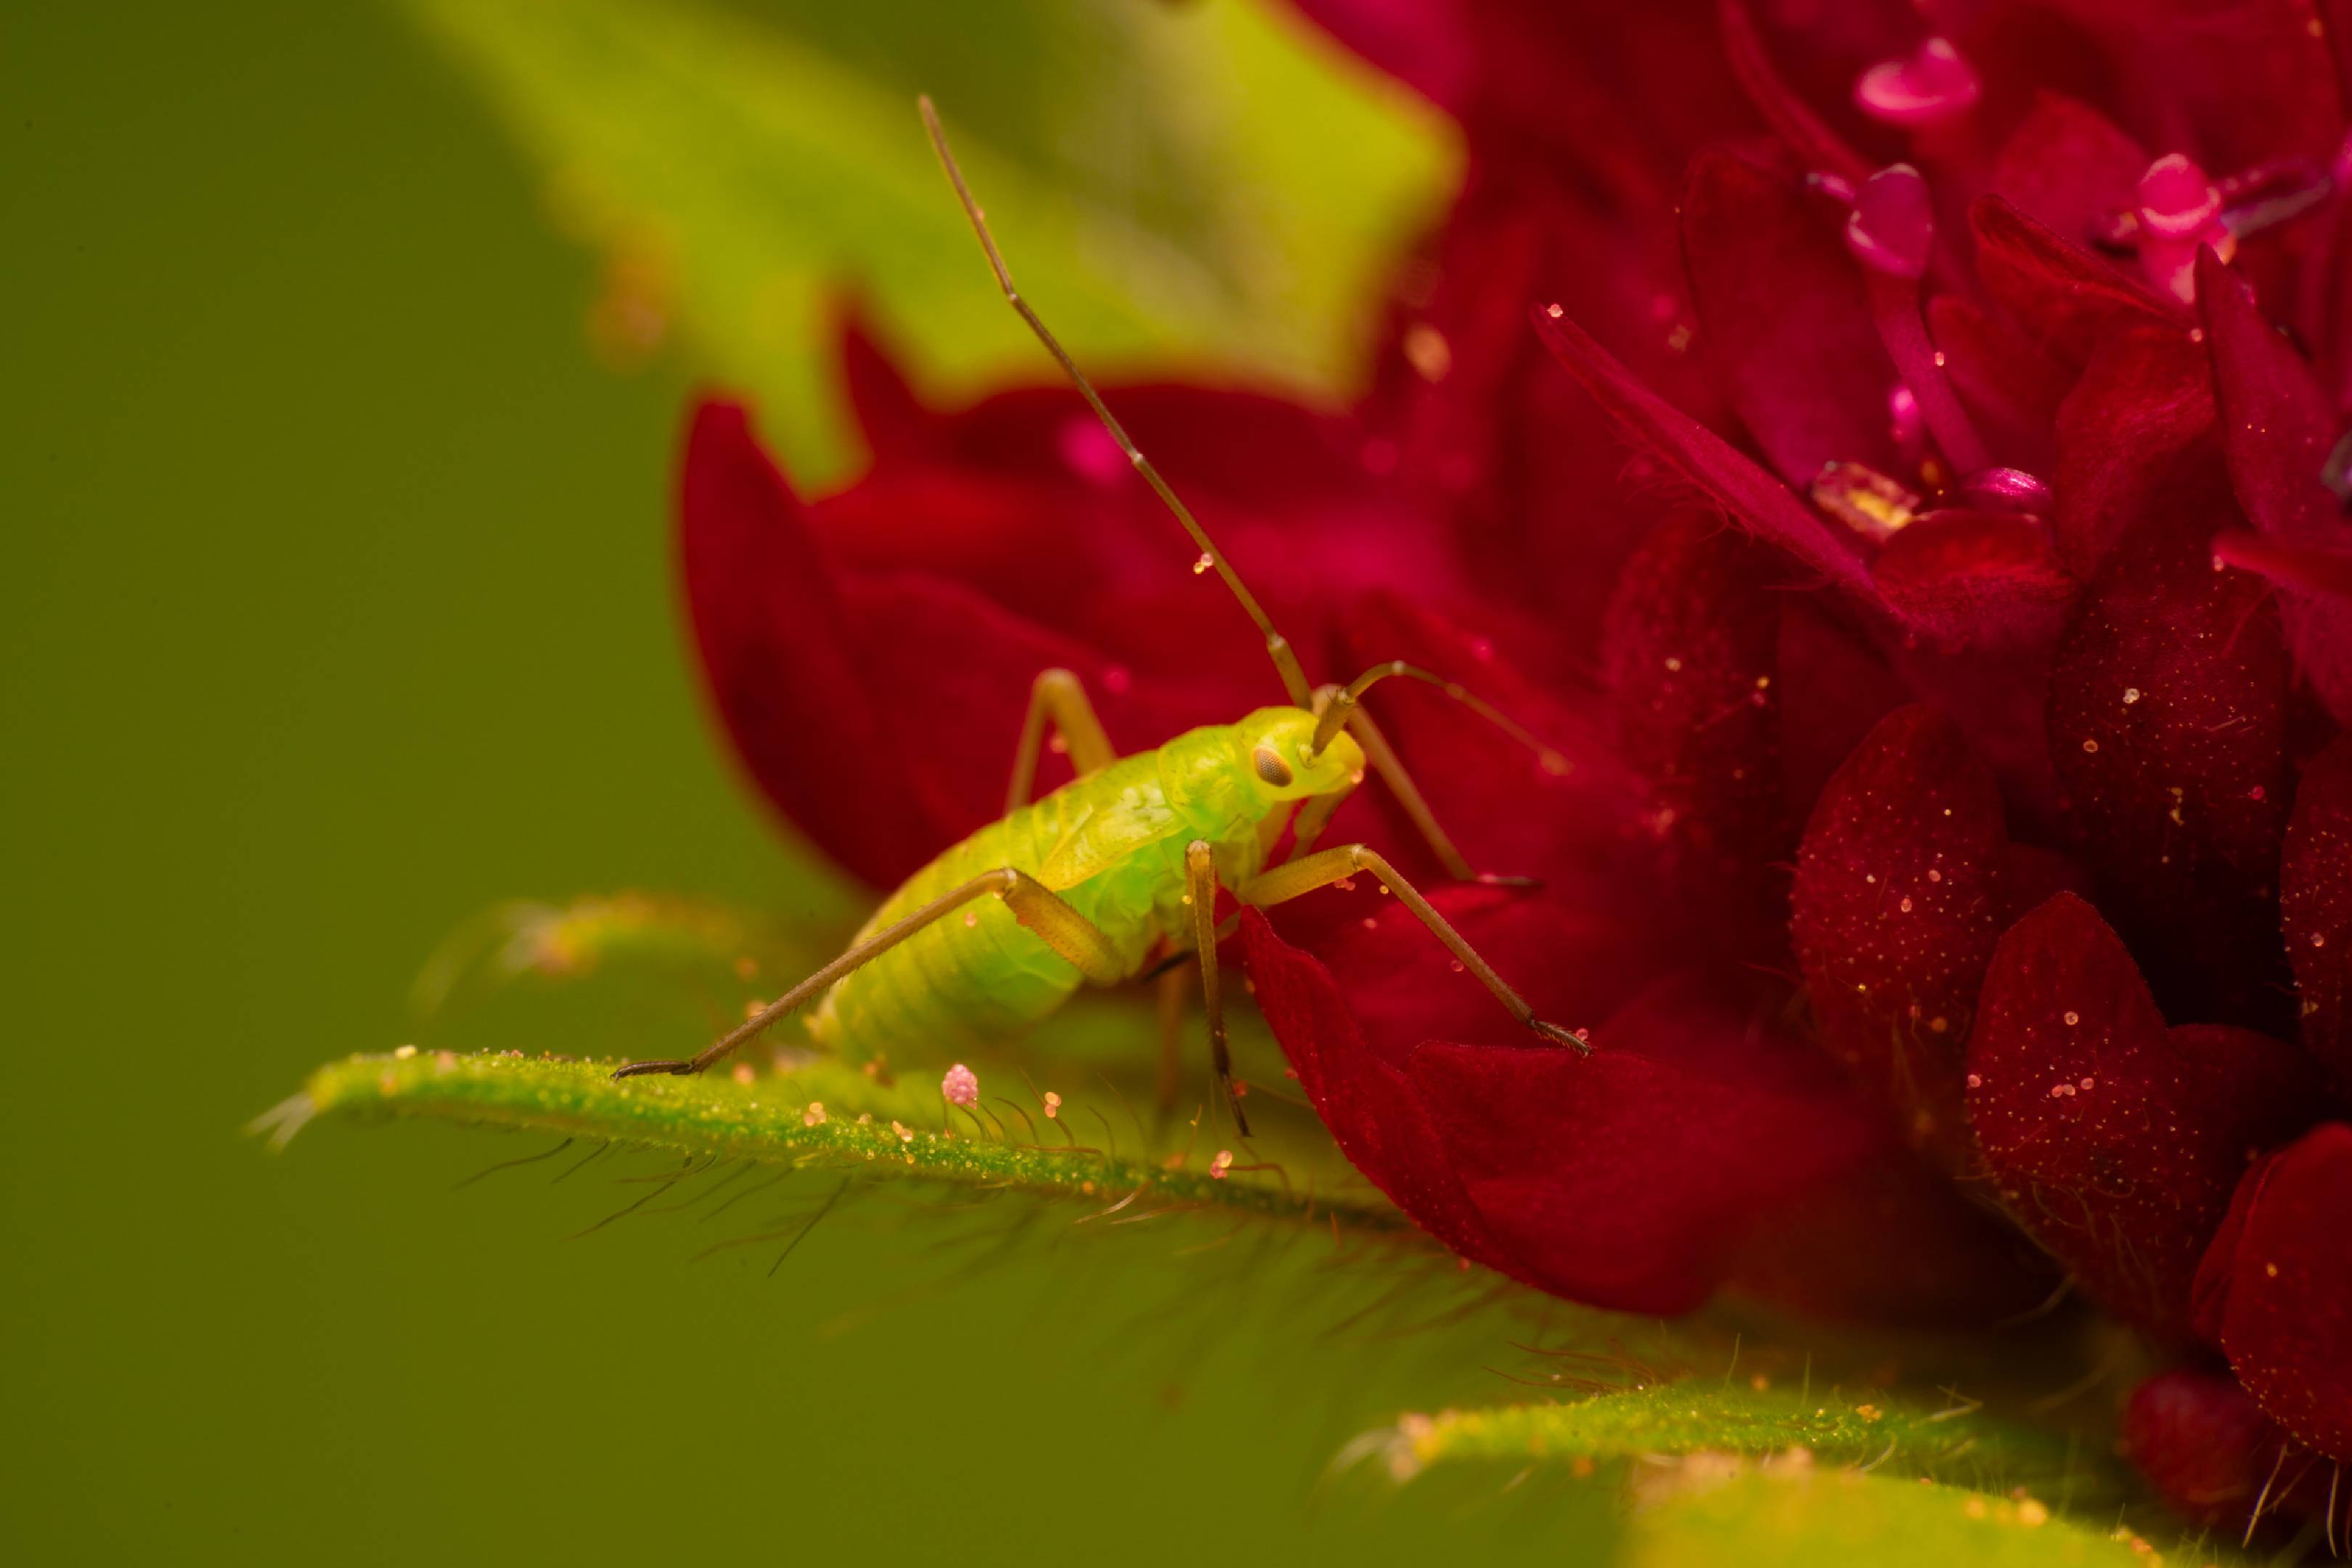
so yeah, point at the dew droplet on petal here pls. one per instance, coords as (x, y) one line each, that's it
(2091, 746)
(2072, 1019)
(1906, 906)
(2131, 694)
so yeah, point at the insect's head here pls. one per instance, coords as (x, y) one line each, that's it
(1278, 745)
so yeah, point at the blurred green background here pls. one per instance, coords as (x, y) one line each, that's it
(347, 345)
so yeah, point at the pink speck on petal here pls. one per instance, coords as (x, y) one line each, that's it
(960, 1086)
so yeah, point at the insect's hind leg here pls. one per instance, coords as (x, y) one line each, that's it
(1328, 866)
(1058, 697)
(1035, 906)
(1201, 893)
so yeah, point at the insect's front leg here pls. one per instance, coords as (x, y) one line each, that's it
(1321, 870)
(1058, 697)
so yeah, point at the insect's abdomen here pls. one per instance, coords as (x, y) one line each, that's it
(980, 974)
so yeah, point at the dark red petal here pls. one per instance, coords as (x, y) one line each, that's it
(1784, 319)
(1582, 833)
(2279, 1287)
(2067, 168)
(2138, 436)
(1896, 911)
(1893, 1244)
(778, 653)
(1691, 642)
(896, 424)
(2011, 388)
(1791, 119)
(1752, 496)
(2209, 1450)
(2241, 80)
(2277, 428)
(2116, 1141)
(2064, 298)
(1615, 1179)
(1977, 580)
(1833, 687)
(1619, 1179)
(2168, 726)
(2316, 906)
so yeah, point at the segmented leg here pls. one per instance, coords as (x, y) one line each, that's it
(1057, 696)
(1201, 893)
(1063, 929)
(1323, 869)
(1383, 759)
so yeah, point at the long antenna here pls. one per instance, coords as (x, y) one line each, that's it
(1278, 647)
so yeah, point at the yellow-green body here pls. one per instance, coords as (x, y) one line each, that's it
(1113, 845)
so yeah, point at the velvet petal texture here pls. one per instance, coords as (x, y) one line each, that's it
(2315, 898)
(2210, 1451)
(1898, 904)
(2276, 429)
(2115, 1141)
(1621, 1178)
(2275, 1292)
(2168, 723)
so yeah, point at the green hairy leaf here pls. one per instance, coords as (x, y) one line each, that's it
(1201, 186)
(1957, 1443)
(822, 1115)
(1804, 1516)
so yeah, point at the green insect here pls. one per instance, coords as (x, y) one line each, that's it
(1115, 875)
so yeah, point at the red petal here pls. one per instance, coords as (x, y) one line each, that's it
(2278, 1285)
(2066, 299)
(2136, 437)
(1579, 833)
(779, 657)
(2206, 1448)
(2067, 168)
(1784, 319)
(1615, 1179)
(2240, 80)
(2316, 906)
(896, 424)
(1752, 496)
(1832, 687)
(1896, 913)
(2276, 429)
(1791, 119)
(1692, 640)
(1976, 579)
(2012, 387)
(2168, 726)
(2114, 1140)
(1894, 1243)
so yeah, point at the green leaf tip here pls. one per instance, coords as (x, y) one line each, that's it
(821, 1114)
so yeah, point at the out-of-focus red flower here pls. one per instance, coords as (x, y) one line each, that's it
(1919, 508)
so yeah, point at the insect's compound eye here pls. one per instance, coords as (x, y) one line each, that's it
(1270, 767)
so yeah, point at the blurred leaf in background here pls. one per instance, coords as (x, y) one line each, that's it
(1203, 189)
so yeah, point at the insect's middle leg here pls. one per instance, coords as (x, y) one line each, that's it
(1059, 697)
(1326, 866)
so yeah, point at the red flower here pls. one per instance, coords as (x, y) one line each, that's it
(2020, 358)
